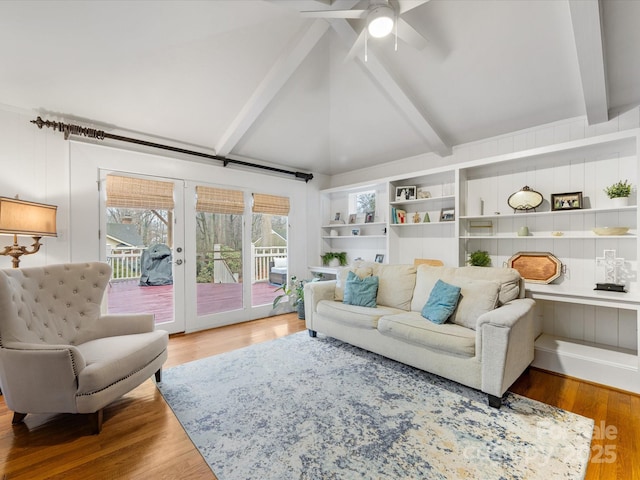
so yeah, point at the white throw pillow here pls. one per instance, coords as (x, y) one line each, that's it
(280, 262)
(476, 297)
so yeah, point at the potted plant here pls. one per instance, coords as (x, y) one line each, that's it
(334, 259)
(294, 292)
(619, 192)
(479, 258)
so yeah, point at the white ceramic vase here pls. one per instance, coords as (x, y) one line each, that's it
(619, 202)
(334, 262)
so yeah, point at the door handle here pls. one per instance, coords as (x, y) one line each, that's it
(178, 262)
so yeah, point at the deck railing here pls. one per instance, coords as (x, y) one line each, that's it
(125, 261)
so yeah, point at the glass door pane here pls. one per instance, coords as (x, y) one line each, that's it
(269, 267)
(143, 249)
(219, 262)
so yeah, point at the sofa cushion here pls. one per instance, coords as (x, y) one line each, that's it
(361, 291)
(412, 328)
(110, 359)
(280, 262)
(353, 315)
(442, 302)
(508, 278)
(426, 278)
(395, 285)
(341, 277)
(476, 297)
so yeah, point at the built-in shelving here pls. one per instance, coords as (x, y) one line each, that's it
(585, 333)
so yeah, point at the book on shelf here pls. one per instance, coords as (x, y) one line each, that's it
(398, 215)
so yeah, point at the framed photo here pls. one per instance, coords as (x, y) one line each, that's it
(337, 217)
(352, 218)
(355, 232)
(369, 216)
(447, 215)
(405, 193)
(566, 201)
(379, 258)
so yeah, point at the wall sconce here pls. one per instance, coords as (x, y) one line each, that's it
(18, 217)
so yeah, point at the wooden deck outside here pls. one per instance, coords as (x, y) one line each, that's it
(129, 297)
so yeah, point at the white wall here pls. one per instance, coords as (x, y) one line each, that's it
(549, 134)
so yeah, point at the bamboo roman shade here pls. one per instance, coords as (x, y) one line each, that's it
(219, 200)
(129, 192)
(270, 204)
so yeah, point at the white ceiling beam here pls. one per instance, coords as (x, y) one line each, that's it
(412, 112)
(587, 31)
(287, 63)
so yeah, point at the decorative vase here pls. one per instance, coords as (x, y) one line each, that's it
(334, 262)
(300, 308)
(523, 232)
(619, 202)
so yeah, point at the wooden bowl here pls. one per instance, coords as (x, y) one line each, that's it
(610, 230)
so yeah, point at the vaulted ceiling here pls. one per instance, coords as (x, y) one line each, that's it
(255, 79)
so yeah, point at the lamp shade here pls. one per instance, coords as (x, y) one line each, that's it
(19, 217)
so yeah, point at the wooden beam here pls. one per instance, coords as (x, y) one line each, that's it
(296, 51)
(587, 31)
(413, 112)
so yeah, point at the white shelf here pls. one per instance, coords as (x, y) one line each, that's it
(342, 237)
(548, 236)
(578, 211)
(351, 225)
(587, 351)
(423, 200)
(420, 224)
(584, 296)
(327, 270)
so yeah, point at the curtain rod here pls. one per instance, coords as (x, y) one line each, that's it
(70, 129)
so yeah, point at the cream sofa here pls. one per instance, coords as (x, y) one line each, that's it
(489, 346)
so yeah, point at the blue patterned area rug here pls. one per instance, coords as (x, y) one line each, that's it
(317, 408)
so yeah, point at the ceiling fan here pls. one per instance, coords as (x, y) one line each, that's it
(381, 16)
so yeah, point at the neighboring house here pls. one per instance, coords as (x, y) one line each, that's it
(276, 240)
(123, 235)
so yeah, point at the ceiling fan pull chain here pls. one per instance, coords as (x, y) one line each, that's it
(366, 39)
(396, 27)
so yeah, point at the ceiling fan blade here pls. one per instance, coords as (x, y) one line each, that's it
(356, 48)
(406, 5)
(410, 35)
(335, 14)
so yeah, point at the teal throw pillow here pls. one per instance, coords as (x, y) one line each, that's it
(442, 302)
(360, 291)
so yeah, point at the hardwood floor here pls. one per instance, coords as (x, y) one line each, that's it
(141, 438)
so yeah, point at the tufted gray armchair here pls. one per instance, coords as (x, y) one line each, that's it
(58, 354)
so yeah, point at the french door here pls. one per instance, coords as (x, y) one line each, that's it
(143, 238)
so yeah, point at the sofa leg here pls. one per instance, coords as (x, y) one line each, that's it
(313, 333)
(495, 402)
(159, 375)
(96, 421)
(18, 418)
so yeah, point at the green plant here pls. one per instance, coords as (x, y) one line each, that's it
(479, 258)
(294, 290)
(341, 256)
(618, 189)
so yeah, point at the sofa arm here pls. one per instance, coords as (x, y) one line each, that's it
(505, 344)
(28, 370)
(313, 293)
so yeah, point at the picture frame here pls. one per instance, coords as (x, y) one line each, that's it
(566, 201)
(379, 258)
(368, 217)
(337, 217)
(355, 232)
(352, 218)
(404, 193)
(447, 215)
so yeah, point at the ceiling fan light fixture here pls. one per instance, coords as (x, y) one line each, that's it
(380, 21)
